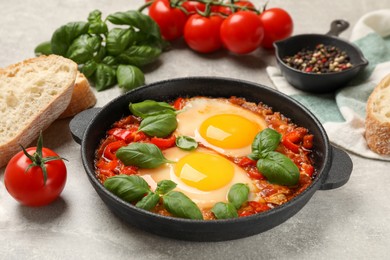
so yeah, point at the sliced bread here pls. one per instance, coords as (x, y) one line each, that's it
(33, 93)
(82, 97)
(378, 118)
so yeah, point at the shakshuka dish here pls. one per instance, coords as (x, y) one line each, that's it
(205, 158)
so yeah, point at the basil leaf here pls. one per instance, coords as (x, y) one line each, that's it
(149, 201)
(63, 37)
(238, 194)
(83, 48)
(186, 143)
(223, 210)
(278, 169)
(149, 107)
(264, 142)
(143, 155)
(139, 55)
(105, 77)
(89, 68)
(181, 206)
(160, 125)
(136, 19)
(129, 188)
(43, 48)
(165, 186)
(96, 25)
(109, 60)
(129, 77)
(118, 40)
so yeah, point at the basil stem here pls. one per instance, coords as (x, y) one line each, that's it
(143, 155)
(238, 194)
(160, 125)
(186, 143)
(180, 205)
(223, 210)
(129, 188)
(165, 186)
(149, 107)
(149, 201)
(279, 169)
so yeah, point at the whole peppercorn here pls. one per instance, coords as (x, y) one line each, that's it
(323, 59)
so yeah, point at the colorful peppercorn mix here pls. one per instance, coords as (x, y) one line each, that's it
(323, 59)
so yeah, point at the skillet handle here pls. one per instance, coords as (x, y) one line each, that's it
(337, 27)
(80, 122)
(340, 170)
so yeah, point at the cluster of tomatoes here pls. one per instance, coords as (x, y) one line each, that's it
(209, 25)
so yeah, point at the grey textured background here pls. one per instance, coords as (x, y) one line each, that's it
(352, 222)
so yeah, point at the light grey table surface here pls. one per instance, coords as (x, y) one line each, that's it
(352, 222)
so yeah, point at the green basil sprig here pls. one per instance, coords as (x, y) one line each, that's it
(160, 125)
(276, 167)
(109, 56)
(181, 206)
(186, 143)
(133, 189)
(143, 155)
(237, 196)
(149, 108)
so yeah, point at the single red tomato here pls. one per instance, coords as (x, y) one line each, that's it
(171, 20)
(28, 183)
(228, 10)
(242, 32)
(202, 33)
(278, 25)
(192, 7)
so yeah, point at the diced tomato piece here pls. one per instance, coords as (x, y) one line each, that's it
(307, 169)
(258, 206)
(163, 143)
(308, 142)
(122, 134)
(111, 148)
(179, 103)
(246, 161)
(292, 139)
(255, 174)
(129, 170)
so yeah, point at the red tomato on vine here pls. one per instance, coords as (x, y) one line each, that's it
(171, 20)
(278, 25)
(35, 176)
(242, 32)
(202, 34)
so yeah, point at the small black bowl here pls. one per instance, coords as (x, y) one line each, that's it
(325, 82)
(333, 166)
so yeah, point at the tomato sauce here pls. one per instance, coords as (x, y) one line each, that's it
(296, 144)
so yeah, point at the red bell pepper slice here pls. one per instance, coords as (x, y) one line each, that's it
(163, 143)
(111, 148)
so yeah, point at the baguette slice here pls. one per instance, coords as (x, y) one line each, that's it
(378, 118)
(82, 97)
(33, 93)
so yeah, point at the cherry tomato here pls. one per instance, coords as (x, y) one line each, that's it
(228, 11)
(202, 33)
(192, 7)
(242, 32)
(171, 20)
(28, 185)
(278, 25)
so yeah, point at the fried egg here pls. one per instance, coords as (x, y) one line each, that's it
(220, 125)
(203, 175)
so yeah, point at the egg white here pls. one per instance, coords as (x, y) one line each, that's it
(204, 199)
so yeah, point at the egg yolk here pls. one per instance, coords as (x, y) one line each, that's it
(204, 171)
(229, 131)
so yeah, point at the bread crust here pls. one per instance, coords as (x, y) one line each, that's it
(377, 124)
(43, 117)
(82, 97)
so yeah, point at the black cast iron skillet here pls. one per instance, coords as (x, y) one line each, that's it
(88, 128)
(319, 83)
